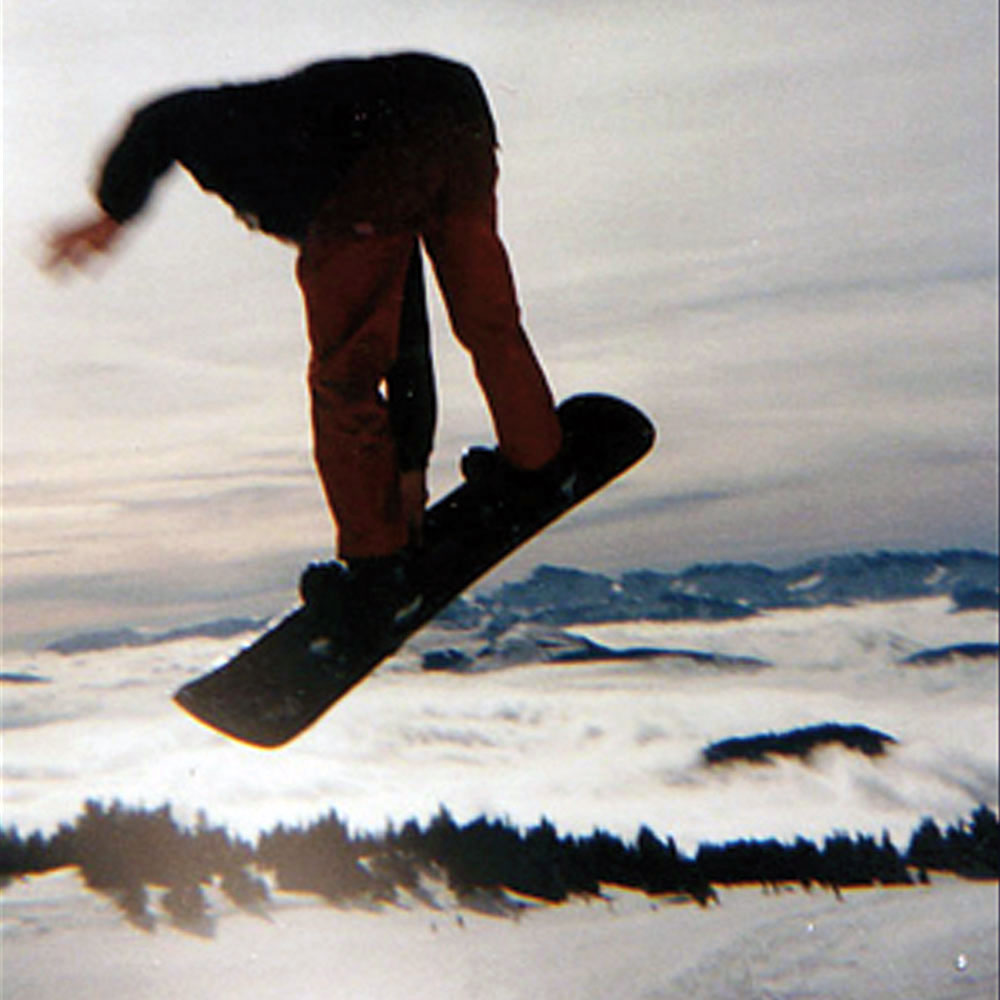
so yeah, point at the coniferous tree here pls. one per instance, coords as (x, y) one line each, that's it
(927, 847)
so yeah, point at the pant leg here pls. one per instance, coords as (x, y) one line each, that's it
(410, 382)
(353, 288)
(474, 274)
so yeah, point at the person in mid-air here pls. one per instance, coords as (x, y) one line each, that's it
(357, 162)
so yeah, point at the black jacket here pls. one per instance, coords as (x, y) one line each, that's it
(275, 149)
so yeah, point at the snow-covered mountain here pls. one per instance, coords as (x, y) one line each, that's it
(91, 642)
(735, 590)
(555, 595)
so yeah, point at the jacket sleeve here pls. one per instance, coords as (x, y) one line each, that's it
(145, 151)
(410, 382)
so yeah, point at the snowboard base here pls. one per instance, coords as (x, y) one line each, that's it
(277, 687)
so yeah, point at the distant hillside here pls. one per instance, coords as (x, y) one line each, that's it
(960, 651)
(527, 642)
(733, 590)
(557, 596)
(762, 748)
(92, 642)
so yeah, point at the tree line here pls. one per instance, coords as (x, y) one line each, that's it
(124, 851)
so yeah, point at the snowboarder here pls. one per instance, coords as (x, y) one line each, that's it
(357, 162)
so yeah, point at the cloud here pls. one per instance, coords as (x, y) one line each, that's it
(640, 508)
(772, 225)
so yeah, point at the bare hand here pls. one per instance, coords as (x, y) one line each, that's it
(76, 245)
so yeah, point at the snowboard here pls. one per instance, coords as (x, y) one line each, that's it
(277, 687)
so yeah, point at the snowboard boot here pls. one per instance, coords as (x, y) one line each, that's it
(490, 474)
(363, 599)
(382, 595)
(323, 588)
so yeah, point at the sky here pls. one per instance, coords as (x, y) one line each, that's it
(771, 224)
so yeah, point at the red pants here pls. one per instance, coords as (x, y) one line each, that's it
(352, 277)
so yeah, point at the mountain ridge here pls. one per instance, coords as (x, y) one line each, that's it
(560, 595)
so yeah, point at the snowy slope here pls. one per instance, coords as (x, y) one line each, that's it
(939, 942)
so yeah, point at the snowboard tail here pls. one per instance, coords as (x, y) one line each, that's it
(278, 686)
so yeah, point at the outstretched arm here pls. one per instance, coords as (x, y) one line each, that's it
(76, 245)
(132, 167)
